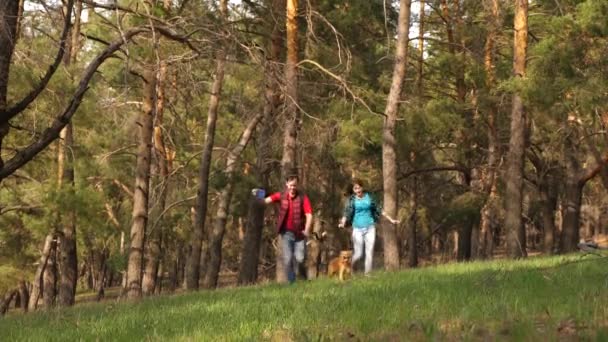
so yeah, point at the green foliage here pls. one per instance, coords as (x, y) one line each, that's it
(466, 208)
(9, 276)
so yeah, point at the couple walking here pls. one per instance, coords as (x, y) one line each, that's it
(294, 224)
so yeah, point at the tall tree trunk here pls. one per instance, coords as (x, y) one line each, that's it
(67, 256)
(68, 262)
(389, 153)
(290, 139)
(217, 235)
(194, 262)
(163, 157)
(250, 254)
(516, 243)
(9, 14)
(154, 250)
(488, 212)
(292, 119)
(420, 77)
(142, 187)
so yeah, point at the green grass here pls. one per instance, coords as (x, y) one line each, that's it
(535, 299)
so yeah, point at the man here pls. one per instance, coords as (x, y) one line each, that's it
(293, 225)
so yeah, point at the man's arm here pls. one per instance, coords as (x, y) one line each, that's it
(267, 200)
(308, 225)
(308, 216)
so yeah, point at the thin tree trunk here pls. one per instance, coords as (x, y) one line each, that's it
(49, 277)
(488, 211)
(217, 236)
(421, 51)
(516, 244)
(5, 302)
(250, 254)
(142, 187)
(150, 280)
(36, 291)
(194, 262)
(389, 153)
(412, 236)
(68, 259)
(68, 262)
(314, 249)
(154, 249)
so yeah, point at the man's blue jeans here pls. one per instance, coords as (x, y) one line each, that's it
(294, 254)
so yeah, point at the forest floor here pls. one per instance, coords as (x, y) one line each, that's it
(540, 298)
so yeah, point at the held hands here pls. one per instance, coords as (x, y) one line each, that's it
(342, 223)
(390, 219)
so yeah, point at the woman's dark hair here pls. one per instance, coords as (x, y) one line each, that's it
(358, 181)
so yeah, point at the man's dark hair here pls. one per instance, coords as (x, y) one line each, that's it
(291, 178)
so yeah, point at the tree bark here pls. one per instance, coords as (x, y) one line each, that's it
(154, 250)
(68, 262)
(548, 197)
(194, 262)
(516, 243)
(217, 235)
(314, 249)
(389, 153)
(293, 116)
(250, 253)
(412, 236)
(142, 187)
(49, 277)
(420, 77)
(37, 282)
(488, 212)
(9, 14)
(5, 302)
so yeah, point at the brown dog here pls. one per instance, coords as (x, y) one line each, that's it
(340, 265)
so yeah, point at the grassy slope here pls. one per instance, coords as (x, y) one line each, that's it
(545, 298)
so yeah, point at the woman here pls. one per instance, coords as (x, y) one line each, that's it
(362, 212)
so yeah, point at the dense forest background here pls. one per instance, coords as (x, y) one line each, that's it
(132, 133)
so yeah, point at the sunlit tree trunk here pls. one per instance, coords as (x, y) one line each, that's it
(389, 153)
(516, 243)
(162, 158)
(42, 263)
(288, 163)
(142, 188)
